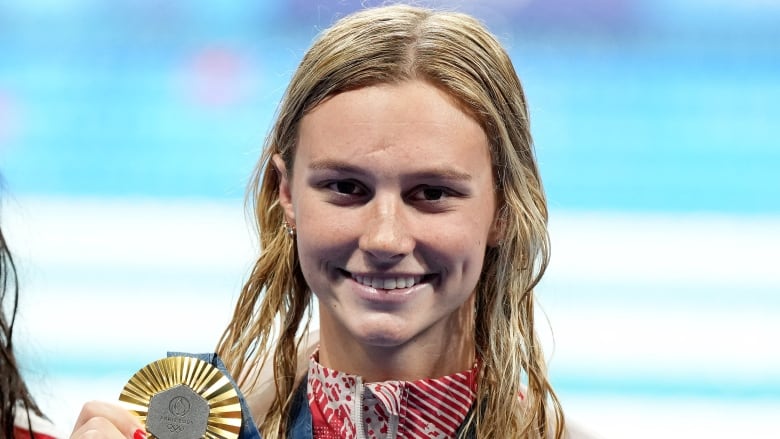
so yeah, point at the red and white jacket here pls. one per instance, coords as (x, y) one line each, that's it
(41, 427)
(344, 407)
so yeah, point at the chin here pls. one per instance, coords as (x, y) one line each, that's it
(383, 340)
(382, 337)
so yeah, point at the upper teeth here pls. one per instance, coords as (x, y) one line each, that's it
(388, 283)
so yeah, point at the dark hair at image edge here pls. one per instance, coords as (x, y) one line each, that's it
(14, 394)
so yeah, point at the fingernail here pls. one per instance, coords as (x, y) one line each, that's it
(139, 434)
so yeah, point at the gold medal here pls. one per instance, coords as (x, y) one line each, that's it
(183, 398)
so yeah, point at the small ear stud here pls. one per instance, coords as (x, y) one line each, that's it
(288, 228)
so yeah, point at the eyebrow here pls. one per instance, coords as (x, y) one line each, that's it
(432, 173)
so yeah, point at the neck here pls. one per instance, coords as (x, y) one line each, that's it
(441, 350)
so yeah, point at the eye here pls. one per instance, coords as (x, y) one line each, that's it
(346, 187)
(431, 194)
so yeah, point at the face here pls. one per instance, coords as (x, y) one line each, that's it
(392, 197)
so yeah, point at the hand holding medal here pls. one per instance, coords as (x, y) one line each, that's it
(183, 398)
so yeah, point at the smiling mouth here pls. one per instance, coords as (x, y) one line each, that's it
(389, 282)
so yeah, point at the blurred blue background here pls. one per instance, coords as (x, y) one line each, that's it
(128, 130)
(641, 105)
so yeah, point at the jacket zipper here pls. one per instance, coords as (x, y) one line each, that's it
(357, 410)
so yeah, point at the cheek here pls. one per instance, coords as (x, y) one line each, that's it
(322, 235)
(314, 257)
(470, 233)
(324, 232)
(461, 242)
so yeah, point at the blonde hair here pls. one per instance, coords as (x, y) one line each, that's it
(457, 54)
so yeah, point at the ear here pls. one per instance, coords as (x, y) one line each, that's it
(285, 193)
(497, 229)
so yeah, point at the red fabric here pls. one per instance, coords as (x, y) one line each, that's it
(42, 428)
(21, 433)
(428, 408)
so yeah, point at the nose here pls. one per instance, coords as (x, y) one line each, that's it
(386, 236)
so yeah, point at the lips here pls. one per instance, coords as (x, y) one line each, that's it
(387, 283)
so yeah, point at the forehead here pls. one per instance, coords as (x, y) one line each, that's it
(411, 121)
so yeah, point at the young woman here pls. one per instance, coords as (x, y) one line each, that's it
(398, 188)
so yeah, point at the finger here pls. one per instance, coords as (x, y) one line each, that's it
(97, 428)
(106, 419)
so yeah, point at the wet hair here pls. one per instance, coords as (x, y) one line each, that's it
(457, 54)
(14, 394)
